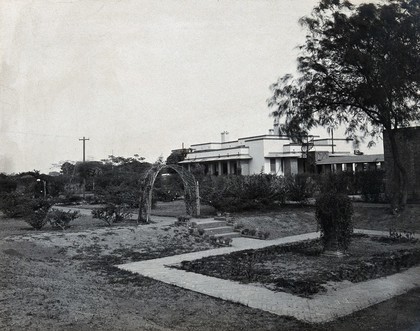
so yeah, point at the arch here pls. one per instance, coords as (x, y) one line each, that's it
(191, 192)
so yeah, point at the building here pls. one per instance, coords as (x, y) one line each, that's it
(352, 163)
(274, 154)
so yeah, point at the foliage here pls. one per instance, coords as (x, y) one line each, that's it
(239, 193)
(182, 220)
(14, 204)
(55, 185)
(89, 169)
(358, 68)
(119, 180)
(119, 195)
(67, 169)
(341, 182)
(372, 185)
(220, 241)
(254, 233)
(177, 156)
(7, 184)
(299, 187)
(61, 219)
(168, 186)
(334, 216)
(369, 183)
(35, 212)
(112, 213)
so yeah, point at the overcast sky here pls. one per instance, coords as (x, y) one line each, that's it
(137, 77)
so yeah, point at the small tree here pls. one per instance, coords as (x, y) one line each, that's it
(334, 216)
(61, 219)
(35, 212)
(112, 213)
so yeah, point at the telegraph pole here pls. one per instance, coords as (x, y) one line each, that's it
(84, 148)
(84, 159)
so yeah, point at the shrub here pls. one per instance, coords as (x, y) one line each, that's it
(7, 184)
(119, 195)
(334, 216)
(241, 193)
(299, 187)
(371, 185)
(14, 204)
(35, 213)
(112, 213)
(182, 220)
(61, 219)
(341, 182)
(220, 241)
(252, 232)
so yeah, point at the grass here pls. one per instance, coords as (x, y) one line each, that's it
(177, 208)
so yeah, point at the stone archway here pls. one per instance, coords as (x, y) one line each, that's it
(191, 191)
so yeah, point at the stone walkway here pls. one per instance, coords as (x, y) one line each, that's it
(321, 308)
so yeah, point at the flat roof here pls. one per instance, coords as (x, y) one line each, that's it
(352, 159)
(259, 137)
(217, 149)
(283, 155)
(218, 158)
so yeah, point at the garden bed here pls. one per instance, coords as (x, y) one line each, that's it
(302, 269)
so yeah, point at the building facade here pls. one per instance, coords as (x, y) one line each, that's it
(269, 154)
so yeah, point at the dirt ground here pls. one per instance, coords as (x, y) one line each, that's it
(301, 268)
(65, 280)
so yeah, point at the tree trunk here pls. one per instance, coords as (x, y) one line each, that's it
(399, 176)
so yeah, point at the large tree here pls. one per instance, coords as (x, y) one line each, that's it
(359, 67)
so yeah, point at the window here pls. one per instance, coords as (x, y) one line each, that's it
(224, 168)
(273, 165)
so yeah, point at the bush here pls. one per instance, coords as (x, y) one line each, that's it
(341, 182)
(241, 193)
(333, 213)
(14, 204)
(119, 195)
(7, 184)
(299, 187)
(112, 213)
(182, 220)
(35, 213)
(61, 219)
(371, 185)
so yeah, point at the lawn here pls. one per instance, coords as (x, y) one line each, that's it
(53, 279)
(290, 219)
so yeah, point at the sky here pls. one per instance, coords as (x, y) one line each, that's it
(138, 77)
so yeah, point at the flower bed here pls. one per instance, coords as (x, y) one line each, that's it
(302, 269)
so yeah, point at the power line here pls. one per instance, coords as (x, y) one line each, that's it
(36, 134)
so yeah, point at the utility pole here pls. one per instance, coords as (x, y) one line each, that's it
(84, 148)
(84, 159)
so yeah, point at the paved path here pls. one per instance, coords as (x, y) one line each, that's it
(321, 308)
